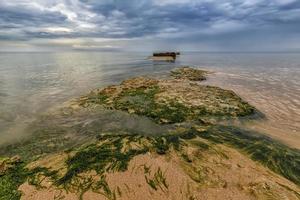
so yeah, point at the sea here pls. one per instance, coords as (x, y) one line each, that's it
(32, 83)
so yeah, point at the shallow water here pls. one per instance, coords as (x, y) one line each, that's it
(269, 81)
(32, 83)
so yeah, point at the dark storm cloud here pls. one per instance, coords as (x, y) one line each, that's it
(185, 19)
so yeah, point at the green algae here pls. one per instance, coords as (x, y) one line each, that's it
(189, 73)
(41, 142)
(158, 181)
(279, 158)
(16, 174)
(58, 133)
(107, 157)
(37, 175)
(103, 186)
(113, 152)
(11, 180)
(108, 154)
(142, 101)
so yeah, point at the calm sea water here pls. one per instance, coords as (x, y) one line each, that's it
(31, 83)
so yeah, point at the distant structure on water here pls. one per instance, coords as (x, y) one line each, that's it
(165, 56)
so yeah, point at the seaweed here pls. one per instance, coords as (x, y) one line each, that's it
(189, 73)
(113, 152)
(37, 175)
(142, 101)
(107, 192)
(96, 98)
(161, 146)
(17, 173)
(106, 157)
(42, 141)
(11, 180)
(157, 181)
(278, 157)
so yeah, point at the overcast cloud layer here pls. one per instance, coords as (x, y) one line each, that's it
(204, 25)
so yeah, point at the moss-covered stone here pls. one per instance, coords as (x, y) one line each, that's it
(169, 101)
(10, 181)
(189, 74)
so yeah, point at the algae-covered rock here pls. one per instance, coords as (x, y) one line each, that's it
(8, 163)
(189, 73)
(171, 100)
(12, 175)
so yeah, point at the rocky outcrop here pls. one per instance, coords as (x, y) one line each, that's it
(8, 163)
(189, 73)
(171, 100)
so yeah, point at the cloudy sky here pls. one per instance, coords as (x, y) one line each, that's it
(146, 25)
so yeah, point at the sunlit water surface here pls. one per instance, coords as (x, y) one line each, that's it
(32, 83)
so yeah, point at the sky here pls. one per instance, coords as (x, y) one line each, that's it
(150, 25)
